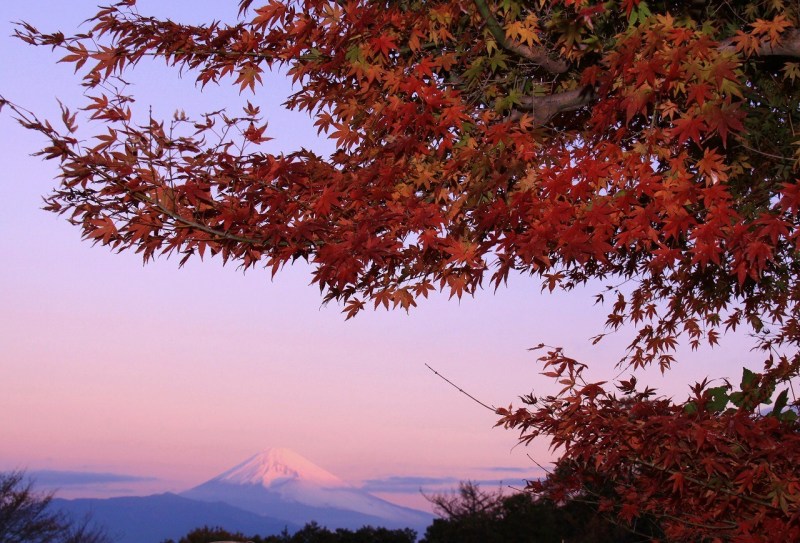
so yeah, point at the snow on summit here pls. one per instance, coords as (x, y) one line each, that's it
(278, 465)
(281, 484)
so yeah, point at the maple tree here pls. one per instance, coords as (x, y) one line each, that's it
(649, 144)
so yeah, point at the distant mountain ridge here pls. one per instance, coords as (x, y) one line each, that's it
(151, 519)
(272, 490)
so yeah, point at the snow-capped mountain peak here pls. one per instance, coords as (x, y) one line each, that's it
(277, 465)
(279, 483)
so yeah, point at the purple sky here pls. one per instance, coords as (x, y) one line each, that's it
(174, 375)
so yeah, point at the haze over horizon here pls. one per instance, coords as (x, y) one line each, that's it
(407, 491)
(155, 378)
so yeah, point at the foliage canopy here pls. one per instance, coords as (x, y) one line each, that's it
(650, 144)
(473, 515)
(310, 533)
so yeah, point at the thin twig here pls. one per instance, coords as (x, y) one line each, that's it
(770, 155)
(547, 471)
(461, 390)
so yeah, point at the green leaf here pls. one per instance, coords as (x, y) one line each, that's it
(639, 14)
(354, 54)
(747, 378)
(737, 398)
(767, 390)
(719, 399)
(497, 60)
(780, 403)
(474, 70)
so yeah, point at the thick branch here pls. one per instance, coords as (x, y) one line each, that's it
(789, 46)
(537, 55)
(544, 108)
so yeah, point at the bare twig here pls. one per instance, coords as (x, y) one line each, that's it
(461, 390)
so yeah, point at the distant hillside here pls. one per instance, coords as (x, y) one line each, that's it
(151, 519)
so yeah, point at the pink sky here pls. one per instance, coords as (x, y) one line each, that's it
(178, 374)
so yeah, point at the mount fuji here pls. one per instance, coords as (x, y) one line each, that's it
(281, 484)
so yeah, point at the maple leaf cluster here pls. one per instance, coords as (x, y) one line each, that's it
(651, 144)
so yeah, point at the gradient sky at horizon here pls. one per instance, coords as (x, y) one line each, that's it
(174, 375)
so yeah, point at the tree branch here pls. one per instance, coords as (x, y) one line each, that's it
(714, 488)
(537, 55)
(29, 120)
(544, 108)
(789, 46)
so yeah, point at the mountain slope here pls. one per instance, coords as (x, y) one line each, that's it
(151, 519)
(282, 484)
